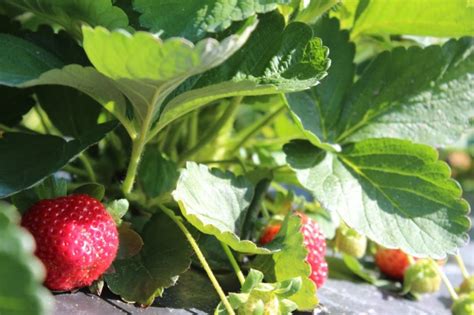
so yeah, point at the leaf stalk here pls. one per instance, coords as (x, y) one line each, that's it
(88, 166)
(138, 146)
(446, 281)
(234, 263)
(253, 129)
(212, 133)
(462, 266)
(200, 256)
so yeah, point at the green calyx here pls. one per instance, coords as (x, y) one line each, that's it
(464, 305)
(421, 277)
(259, 298)
(467, 286)
(350, 242)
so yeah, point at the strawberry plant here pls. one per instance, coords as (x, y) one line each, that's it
(147, 146)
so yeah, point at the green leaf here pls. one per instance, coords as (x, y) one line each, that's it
(21, 61)
(286, 56)
(197, 98)
(157, 174)
(15, 103)
(147, 69)
(164, 256)
(24, 199)
(21, 291)
(222, 215)
(428, 103)
(90, 82)
(359, 270)
(211, 248)
(258, 297)
(117, 209)
(275, 59)
(310, 11)
(71, 111)
(392, 98)
(51, 187)
(24, 64)
(94, 190)
(195, 291)
(253, 278)
(338, 269)
(316, 110)
(28, 158)
(194, 18)
(421, 17)
(393, 191)
(72, 14)
(130, 242)
(293, 253)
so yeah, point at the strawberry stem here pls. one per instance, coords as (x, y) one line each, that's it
(200, 256)
(213, 131)
(88, 166)
(255, 128)
(446, 281)
(461, 265)
(138, 146)
(234, 263)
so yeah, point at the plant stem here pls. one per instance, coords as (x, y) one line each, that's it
(138, 145)
(87, 165)
(234, 263)
(462, 266)
(6, 128)
(42, 119)
(254, 128)
(193, 129)
(174, 140)
(446, 281)
(74, 170)
(212, 133)
(265, 213)
(200, 256)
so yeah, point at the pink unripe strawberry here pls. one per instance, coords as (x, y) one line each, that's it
(76, 239)
(315, 244)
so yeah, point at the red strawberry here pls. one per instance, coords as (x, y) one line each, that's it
(315, 244)
(269, 233)
(392, 262)
(76, 239)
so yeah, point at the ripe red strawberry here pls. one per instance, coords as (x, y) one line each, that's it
(315, 244)
(392, 262)
(269, 233)
(76, 239)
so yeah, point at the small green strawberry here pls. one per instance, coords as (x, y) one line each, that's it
(350, 242)
(464, 305)
(467, 286)
(421, 277)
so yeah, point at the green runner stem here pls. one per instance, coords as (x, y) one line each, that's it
(234, 263)
(200, 256)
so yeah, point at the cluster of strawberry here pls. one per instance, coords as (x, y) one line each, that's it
(419, 275)
(77, 240)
